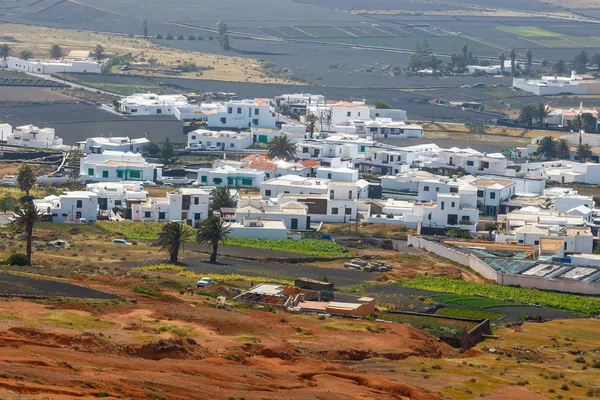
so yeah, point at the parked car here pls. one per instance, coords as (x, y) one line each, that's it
(212, 148)
(120, 241)
(148, 183)
(168, 185)
(204, 282)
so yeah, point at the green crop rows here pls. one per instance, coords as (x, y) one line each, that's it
(133, 230)
(315, 247)
(476, 302)
(472, 314)
(578, 304)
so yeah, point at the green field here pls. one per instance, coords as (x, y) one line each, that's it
(476, 302)
(435, 326)
(323, 31)
(472, 314)
(132, 230)
(314, 247)
(527, 31)
(571, 41)
(561, 301)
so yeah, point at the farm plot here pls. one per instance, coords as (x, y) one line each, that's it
(324, 31)
(475, 302)
(527, 31)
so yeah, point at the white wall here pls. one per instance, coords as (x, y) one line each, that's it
(55, 66)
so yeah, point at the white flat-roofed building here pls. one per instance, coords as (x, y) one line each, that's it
(5, 131)
(334, 146)
(241, 114)
(98, 145)
(554, 85)
(386, 127)
(576, 239)
(406, 182)
(32, 136)
(293, 184)
(61, 65)
(183, 205)
(256, 227)
(151, 104)
(340, 111)
(69, 207)
(542, 217)
(116, 166)
(341, 174)
(230, 176)
(111, 194)
(491, 193)
(223, 140)
(293, 214)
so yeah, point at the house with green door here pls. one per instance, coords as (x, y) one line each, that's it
(117, 166)
(229, 176)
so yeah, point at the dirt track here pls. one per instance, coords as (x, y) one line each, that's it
(24, 286)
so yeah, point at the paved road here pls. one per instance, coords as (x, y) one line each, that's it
(24, 286)
(72, 84)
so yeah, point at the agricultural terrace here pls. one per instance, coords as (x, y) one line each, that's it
(39, 40)
(561, 301)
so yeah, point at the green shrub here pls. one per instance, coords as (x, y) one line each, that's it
(16, 259)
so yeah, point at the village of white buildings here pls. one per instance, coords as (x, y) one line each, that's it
(515, 216)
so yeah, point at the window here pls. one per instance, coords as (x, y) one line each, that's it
(470, 163)
(453, 189)
(359, 113)
(147, 214)
(78, 215)
(239, 110)
(135, 174)
(443, 205)
(119, 174)
(328, 176)
(229, 110)
(196, 201)
(350, 195)
(536, 242)
(230, 181)
(223, 120)
(217, 181)
(256, 111)
(391, 158)
(90, 171)
(79, 203)
(480, 193)
(118, 202)
(246, 181)
(334, 210)
(193, 137)
(331, 194)
(492, 195)
(453, 204)
(426, 188)
(197, 216)
(268, 192)
(134, 110)
(348, 211)
(255, 121)
(105, 174)
(437, 189)
(305, 150)
(161, 215)
(159, 111)
(349, 114)
(203, 179)
(231, 145)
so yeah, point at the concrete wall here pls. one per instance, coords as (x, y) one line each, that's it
(440, 250)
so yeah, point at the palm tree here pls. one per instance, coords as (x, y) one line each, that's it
(4, 51)
(502, 58)
(577, 123)
(584, 152)
(529, 55)
(562, 149)
(311, 121)
(25, 55)
(23, 222)
(145, 27)
(282, 147)
(547, 147)
(221, 197)
(527, 114)
(213, 231)
(541, 113)
(26, 179)
(173, 237)
(513, 59)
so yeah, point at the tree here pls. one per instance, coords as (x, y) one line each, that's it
(490, 227)
(172, 238)
(529, 55)
(151, 149)
(577, 123)
(541, 113)
(7, 203)
(169, 36)
(465, 52)
(180, 37)
(382, 105)
(562, 149)
(4, 51)
(281, 147)
(222, 28)
(326, 118)
(26, 179)
(527, 114)
(213, 231)
(25, 55)
(584, 152)
(98, 52)
(144, 27)
(167, 151)
(311, 121)
(221, 197)
(225, 44)
(580, 62)
(191, 37)
(502, 58)
(56, 52)
(23, 223)
(589, 122)
(559, 67)
(547, 147)
(547, 203)
(159, 36)
(513, 61)
(596, 61)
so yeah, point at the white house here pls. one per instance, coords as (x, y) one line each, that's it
(293, 184)
(5, 131)
(491, 193)
(116, 166)
(386, 127)
(69, 207)
(241, 114)
(333, 147)
(390, 160)
(230, 176)
(256, 227)
(297, 102)
(223, 140)
(341, 174)
(62, 65)
(111, 194)
(183, 205)
(293, 214)
(32, 136)
(98, 145)
(151, 104)
(576, 239)
(554, 85)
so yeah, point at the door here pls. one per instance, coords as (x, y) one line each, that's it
(294, 223)
(103, 203)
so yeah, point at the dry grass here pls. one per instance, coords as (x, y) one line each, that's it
(433, 130)
(458, 13)
(39, 40)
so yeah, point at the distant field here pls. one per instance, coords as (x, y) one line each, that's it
(527, 31)
(324, 31)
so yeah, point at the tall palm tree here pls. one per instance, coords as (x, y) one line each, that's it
(173, 237)
(145, 27)
(541, 113)
(513, 60)
(213, 231)
(527, 114)
(282, 147)
(24, 221)
(311, 121)
(502, 58)
(26, 179)
(221, 197)
(584, 152)
(562, 149)
(547, 147)
(529, 55)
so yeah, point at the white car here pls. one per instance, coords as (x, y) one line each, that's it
(212, 148)
(148, 183)
(204, 282)
(121, 241)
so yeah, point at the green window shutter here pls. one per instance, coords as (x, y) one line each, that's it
(262, 139)
(230, 181)
(90, 171)
(105, 174)
(362, 149)
(135, 174)
(247, 181)
(203, 179)
(119, 174)
(217, 181)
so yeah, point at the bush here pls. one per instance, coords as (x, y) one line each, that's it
(16, 259)
(390, 216)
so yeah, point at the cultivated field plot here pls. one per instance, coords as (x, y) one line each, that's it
(11, 284)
